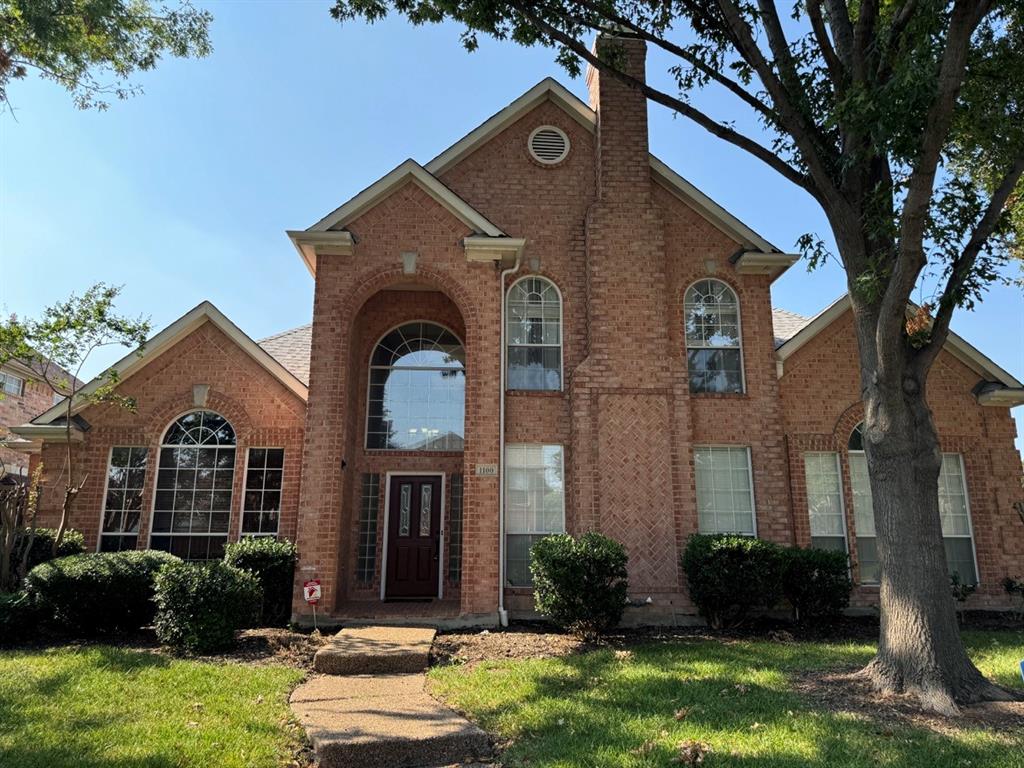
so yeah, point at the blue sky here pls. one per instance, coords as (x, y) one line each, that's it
(183, 194)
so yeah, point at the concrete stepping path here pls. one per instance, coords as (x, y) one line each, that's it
(386, 719)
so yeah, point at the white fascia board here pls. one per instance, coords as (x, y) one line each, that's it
(312, 244)
(956, 345)
(547, 89)
(135, 361)
(759, 263)
(410, 170)
(501, 249)
(1009, 397)
(51, 433)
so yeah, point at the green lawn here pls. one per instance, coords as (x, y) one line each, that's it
(608, 709)
(103, 707)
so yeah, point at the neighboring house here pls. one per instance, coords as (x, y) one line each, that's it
(23, 394)
(650, 392)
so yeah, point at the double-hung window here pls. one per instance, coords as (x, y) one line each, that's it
(261, 510)
(11, 384)
(534, 504)
(725, 490)
(825, 500)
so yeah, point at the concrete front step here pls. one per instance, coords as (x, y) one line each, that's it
(383, 721)
(376, 649)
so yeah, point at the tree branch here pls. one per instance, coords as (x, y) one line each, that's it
(717, 129)
(835, 67)
(961, 269)
(842, 31)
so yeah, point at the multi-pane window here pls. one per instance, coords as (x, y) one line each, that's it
(193, 489)
(11, 384)
(261, 509)
(534, 333)
(417, 390)
(825, 501)
(366, 544)
(455, 530)
(711, 317)
(954, 513)
(725, 491)
(122, 507)
(534, 504)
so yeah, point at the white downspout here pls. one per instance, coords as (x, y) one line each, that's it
(502, 613)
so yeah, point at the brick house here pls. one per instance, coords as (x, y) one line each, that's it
(543, 329)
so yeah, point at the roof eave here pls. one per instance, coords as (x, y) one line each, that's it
(1001, 397)
(759, 263)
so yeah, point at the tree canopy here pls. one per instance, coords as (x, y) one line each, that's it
(93, 47)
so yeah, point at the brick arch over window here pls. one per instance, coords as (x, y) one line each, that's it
(166, 412)
(845, 424)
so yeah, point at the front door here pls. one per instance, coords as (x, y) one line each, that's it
(414, 533)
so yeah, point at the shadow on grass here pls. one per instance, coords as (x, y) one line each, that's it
(607, 709)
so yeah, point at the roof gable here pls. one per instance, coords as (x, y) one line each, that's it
(192, 320)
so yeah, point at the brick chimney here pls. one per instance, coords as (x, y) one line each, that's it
(623, 169)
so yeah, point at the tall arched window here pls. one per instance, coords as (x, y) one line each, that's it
(192, 508)
(711, 315)
(533, 326)
(417, 390)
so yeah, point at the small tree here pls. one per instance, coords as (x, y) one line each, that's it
(56, 347)
(81, 43)
(18, 504)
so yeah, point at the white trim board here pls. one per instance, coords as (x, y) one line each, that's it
(192, 320)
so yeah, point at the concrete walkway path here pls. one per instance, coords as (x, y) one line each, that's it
(373, 711)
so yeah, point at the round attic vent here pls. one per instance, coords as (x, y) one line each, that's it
(548, 144)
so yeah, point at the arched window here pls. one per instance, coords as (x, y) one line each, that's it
(533, 326)
(711, 314)
(417, 390)
(192, 508)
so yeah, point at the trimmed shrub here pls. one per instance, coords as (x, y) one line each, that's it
(17, 618)
(273, 563)
(580, 584)
(730, 576)
(73, 543)
(816, 582)
(199, 607)
(96, 593)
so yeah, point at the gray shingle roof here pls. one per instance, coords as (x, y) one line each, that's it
(291, 348)
(786, 325)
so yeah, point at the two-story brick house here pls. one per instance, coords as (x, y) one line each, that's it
(24, 393)
(543, 329)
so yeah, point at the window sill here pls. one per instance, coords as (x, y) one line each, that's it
(534, 393)
(720, 395)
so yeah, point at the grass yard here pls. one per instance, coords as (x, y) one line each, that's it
(103, 707)
(755, 703)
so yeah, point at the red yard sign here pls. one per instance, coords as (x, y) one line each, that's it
(311, 591)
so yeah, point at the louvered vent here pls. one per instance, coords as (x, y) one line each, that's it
(549, 144)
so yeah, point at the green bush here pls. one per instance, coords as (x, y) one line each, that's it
(199, 607)
(580, 584)
(816, 582)
(41, 550)
(96, 593)
(729, 576)
(273, 563)
(17, 618)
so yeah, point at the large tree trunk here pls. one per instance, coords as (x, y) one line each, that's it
(920, 651)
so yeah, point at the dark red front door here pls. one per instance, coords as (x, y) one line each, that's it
(414, 532)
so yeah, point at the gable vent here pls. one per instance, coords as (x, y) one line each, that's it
(548, 144)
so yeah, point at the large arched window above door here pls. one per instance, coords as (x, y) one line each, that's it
(417, 390)
(192, 508)
(533, 327)
(711, 319)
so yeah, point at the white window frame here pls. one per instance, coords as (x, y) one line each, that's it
(106, 488)
(970, 516)
(750, 473)
(561, 334)
(842, 500)
(369, 381)
(739, 346)
(7, 376)
(156, 479)
(245, 488)
(534, 533)
(387, 527)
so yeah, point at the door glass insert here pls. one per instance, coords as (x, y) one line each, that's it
(426, 498)
(404, 509)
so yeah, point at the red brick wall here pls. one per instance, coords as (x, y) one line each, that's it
(262, 411)
(14, 410)
(821, 405)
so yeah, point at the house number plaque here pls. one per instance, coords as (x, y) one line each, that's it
(486, 470)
